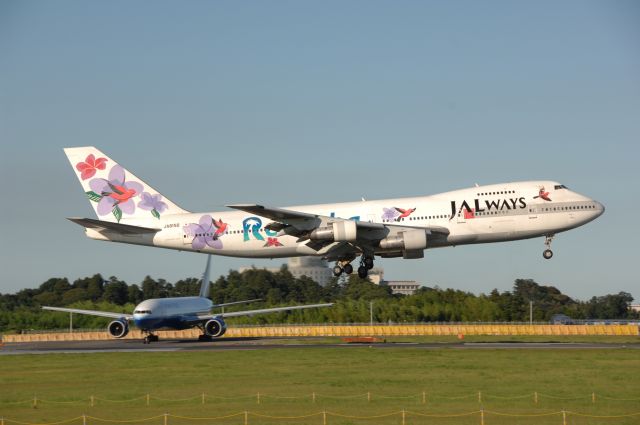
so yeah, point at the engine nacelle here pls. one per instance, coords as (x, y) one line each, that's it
(411, 240)
(118, 329)
(215, 327)
(340, 231)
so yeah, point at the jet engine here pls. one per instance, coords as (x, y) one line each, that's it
(118, 328)
(215, 327)
(410, 240)
(340, 231)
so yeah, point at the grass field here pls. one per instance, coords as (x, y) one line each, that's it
(340, 379)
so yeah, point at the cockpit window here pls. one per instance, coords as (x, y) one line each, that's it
(142, 312)
(560, 186)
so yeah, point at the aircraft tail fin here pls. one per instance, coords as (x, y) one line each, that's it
(114, 192)
(204, 286)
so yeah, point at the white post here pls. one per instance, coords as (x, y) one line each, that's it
(371, 313)
(70, 322)
(531, 312)
(84, 419)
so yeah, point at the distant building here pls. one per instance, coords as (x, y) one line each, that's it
(376, 275)
(635, 307)
(314, 268)
(318, 270)
(404, 287)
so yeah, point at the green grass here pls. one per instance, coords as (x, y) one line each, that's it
(396, 379)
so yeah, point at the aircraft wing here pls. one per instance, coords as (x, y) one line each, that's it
(301, 224)
(237, 302)
(100, 225)
(91, 312)
(300, 220)
(265, 310)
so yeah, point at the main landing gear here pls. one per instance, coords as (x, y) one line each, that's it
(547, 253)
(344, 266)
(149, 338)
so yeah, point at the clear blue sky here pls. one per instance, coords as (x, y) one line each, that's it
(307, 102)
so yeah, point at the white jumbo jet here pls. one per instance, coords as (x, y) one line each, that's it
(179, 313)
(130, 211)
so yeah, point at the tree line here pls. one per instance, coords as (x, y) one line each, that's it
(353, 298)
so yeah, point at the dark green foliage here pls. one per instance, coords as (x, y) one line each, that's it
(354, 298)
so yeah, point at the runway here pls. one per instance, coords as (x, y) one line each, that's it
(130, 346)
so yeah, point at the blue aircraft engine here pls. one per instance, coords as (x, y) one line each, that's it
(215, 327)
(118, 328)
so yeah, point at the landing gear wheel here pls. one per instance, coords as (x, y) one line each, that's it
(368, 263)
(337, 271)
(547, 253)
(363, 272)
(147, 339)
(348, 269)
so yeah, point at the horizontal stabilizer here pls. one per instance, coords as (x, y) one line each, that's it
(99, 225)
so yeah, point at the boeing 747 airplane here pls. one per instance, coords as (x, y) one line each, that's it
(178, 313)
(130, 211)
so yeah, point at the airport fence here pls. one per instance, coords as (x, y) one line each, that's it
(358, 330)
(325, 417)
(423, 397)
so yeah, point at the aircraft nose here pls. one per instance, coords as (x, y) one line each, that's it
(599, 208)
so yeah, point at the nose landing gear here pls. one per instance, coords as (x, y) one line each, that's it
(547, 253)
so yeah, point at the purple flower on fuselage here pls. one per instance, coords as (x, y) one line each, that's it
(152, 203)
(116, 192)
(390, 214)
(203, 234)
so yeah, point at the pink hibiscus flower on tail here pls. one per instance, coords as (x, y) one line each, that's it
(90, 165)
